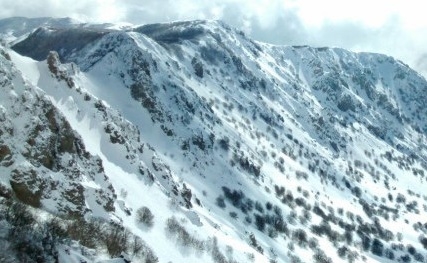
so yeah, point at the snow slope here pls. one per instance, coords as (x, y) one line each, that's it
(261, 153)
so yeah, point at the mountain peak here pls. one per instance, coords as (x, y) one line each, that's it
(174, 32)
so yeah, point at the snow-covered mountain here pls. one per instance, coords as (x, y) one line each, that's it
(194, 143)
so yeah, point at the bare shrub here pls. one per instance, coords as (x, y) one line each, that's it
(181, 235)
(145, 217)
(320, 257)
(300, 237)
(116, 239)
(138, 248)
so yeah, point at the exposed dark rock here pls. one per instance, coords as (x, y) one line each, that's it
(4, 151)
(27, 186)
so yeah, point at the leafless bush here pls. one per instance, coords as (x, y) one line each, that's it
(145, 217)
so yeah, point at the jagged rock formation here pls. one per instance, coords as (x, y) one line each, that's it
(43, 160)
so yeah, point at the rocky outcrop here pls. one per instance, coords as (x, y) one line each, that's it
(43, 160)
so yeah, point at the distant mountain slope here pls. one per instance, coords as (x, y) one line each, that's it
(241, 150)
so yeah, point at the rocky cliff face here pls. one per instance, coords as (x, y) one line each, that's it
(278, 153)
(44, 162)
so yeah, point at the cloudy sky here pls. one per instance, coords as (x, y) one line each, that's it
(394, 27)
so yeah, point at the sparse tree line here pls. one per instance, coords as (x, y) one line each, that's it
(359, 235)
(27, 238)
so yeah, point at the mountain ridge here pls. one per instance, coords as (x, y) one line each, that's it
(278, 153)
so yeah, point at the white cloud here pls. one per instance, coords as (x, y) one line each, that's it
(97, 10)
(394, 27)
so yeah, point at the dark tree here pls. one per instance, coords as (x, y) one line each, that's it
(260, 222)
(220, 201)
(366, 242)
(423, 241)
(377, 247)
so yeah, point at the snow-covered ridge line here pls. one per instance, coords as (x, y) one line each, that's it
(244, 151)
